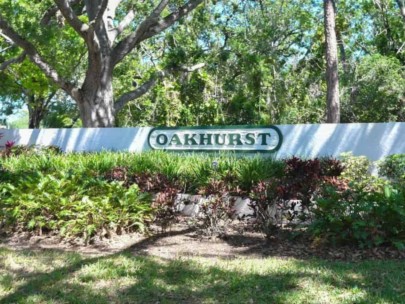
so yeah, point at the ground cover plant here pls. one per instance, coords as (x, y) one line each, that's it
(84, 194)
(73, 205)
(91, 195)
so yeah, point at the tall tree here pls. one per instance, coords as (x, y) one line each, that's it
(332, 78)
(110, 29)
(23, 84)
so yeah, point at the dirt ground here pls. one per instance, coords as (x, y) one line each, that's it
(183, 241)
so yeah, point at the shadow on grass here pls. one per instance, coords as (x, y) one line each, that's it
(125, 278)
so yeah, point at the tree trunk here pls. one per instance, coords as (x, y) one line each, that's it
(96, 105)
(34, 118)
(35, 112)
(332, 78)
(401, 4)
(341, 44)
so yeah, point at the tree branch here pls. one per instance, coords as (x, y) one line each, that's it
(36, 58)
(172, 18)
(128, 43)
(17, 59)
(151, 26)
(100, 13)
(188, 69)
(142, 90)
(70, 16)
(8, 39)
(7, 48)
(51, 12)
(123, 24)
(145, 87)
(48, 99)
(46, 18)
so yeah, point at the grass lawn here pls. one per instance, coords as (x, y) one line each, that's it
(50, 276)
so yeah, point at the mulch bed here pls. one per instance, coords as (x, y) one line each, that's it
(182, 241)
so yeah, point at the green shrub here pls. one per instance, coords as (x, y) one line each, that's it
(393, 167)
(301, 179)
(73, 205)
(86, 193)
(368, 216)
(217, 210)
(356, 168)
(11, 149)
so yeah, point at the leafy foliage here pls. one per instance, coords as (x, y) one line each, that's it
(377, 93)
(73, 205)
(161, 175)
(87, 195)
(11, 149)
(367, 216)
(264, 64)
(301, 180)
(217, 210)
(393, 167)
(356, 168)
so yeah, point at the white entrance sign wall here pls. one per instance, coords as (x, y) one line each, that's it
(82, 139)
(374, 140)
